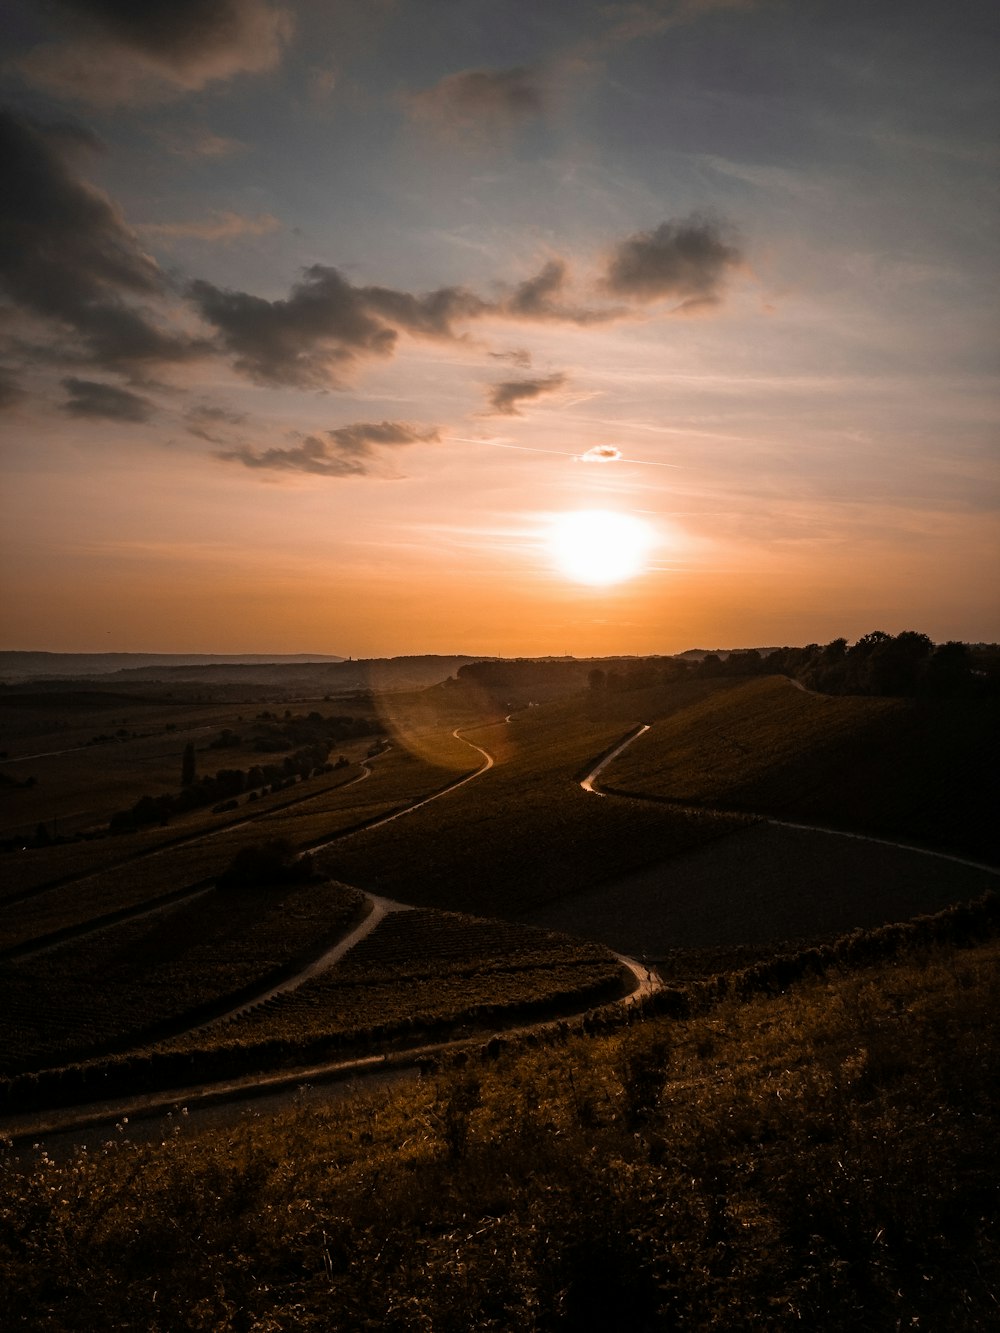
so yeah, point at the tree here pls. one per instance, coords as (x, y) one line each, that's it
(188, 765)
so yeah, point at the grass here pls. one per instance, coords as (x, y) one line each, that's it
(105, 992)
(524, 833)
(419, 976)
(824, 1157)
(320, 808)
(915, 769)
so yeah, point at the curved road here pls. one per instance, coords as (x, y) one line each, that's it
(588, 785)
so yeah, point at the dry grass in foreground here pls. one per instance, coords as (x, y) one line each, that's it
(824, 1157)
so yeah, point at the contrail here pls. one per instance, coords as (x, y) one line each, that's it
(559, 453)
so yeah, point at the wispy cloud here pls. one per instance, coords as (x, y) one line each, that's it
(601, 453)
(11, 392)
(218, 227)
(348, 451)
(474, 104)
(119, 53)
(504, 397)
(208, 422)
(92, 398)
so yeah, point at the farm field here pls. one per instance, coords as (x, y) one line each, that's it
(921, 770)
(525, 833)
(105, 991)
(760, 1162)
(674, 879)
(418, 971)
(418, 976)
(398, 776)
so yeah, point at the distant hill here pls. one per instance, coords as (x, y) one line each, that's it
(218, 676)
(27, 666)
(379, 673)
(699, 654)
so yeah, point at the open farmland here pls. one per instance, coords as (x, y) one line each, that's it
(120, 985)
(418, 972)
(922, 770)
(524, 833)
(310, 813)
(418, 976)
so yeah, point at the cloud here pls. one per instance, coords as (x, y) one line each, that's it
(121, 51)
(321, 329)
(601, 453)
(517, 356)
(537, 299)
(205, 422)
(431, 315)
(348, 451)
(68, 256)
(90, 398)
(219, 227)
(316, 337)
(686, 260)
(478, 102)
(504, 397)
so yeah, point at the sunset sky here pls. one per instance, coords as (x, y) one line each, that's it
(319, 319)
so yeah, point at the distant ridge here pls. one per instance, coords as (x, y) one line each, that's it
(698, 654)
(16, 665)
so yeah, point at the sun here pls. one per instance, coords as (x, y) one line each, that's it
(600, 546)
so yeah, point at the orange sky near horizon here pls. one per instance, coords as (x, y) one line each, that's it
(317, 321)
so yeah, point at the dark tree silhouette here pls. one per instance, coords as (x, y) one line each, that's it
(187, 765)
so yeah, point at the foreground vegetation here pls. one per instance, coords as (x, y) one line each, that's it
(824, 1155)
(124, 1020)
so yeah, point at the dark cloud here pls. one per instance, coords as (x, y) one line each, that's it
(538, 298)
(90, 398)
(601, 453)
(431, 315)
(504, 397)
(206, 422)
(687, 260)
(533, 298)
(321, 329)
(348, 451)
(517, 356)
(478, 101)
(68, 256)
(316, 336)
(126, 51)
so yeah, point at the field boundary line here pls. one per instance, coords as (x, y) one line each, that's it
(587, 784)
(32, 1125)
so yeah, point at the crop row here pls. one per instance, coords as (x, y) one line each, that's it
(407, 943)
(923, 770)
(118, 984)
(397, 778)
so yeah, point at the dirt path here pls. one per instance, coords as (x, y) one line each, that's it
(164, 903)
(225, 1103)
(380, 909)
(769, 881)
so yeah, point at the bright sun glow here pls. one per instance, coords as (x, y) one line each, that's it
(599, 546)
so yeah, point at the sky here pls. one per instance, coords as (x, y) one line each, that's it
(321, 321)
